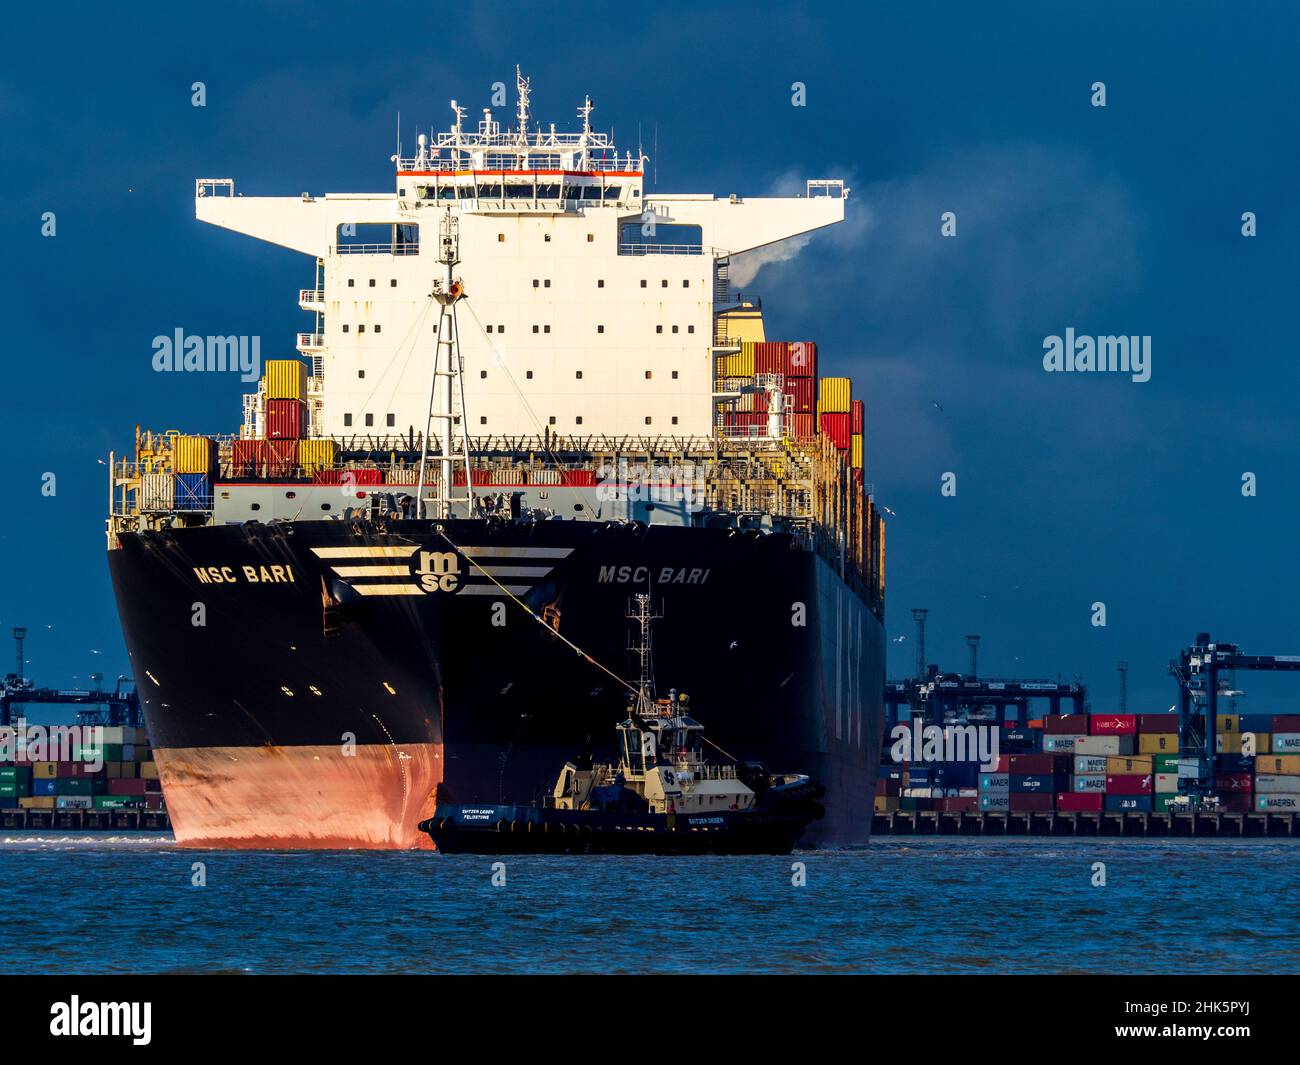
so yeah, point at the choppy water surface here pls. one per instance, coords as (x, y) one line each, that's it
(92, 903)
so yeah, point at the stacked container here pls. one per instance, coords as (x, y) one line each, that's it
(286, 399)
(126, 776)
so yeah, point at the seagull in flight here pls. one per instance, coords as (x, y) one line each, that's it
(937, 404)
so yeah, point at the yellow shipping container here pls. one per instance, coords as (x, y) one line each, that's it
(149, 770)
(1228, 723)
(36, 802)
(1158, 743)
(1230, 742)
(286, 379)
(741, 364)
(44, 770)
(1287, 765)
(856, 450)
(315, 455)
(885, 804)
(1127, 767)
(194, 454)
(834, 394)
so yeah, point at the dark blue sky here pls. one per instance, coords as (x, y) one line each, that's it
(1122, 220)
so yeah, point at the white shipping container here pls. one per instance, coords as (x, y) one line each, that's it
(1286, 743)
(1166, 784)
(1087, 764)
(1112, 746)
(1271, 784)
(157, 492)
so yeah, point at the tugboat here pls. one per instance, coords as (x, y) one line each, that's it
(662, 797)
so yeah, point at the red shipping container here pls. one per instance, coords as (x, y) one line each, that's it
(1237, 804)
(1030, 764)
(1129, 785)
(284, 419)
(1004, 764)
(1233, 782)
(1035, 723)
(64, 770)
(1286, 723)
(151, 785)
(802, 361)
(1072, 802)
(1066, 724)
(368, 475)
(771, 356)
(153, 802)
(961, 804)
(803, 426)
(578, 478)
(1112, 724)
(857, 408)
(247, 458)
(135, 786)
(888, 787)
(804, 392)
(1151, 723)
(836, 426)
(1026, 802)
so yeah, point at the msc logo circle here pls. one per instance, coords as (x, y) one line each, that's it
(438, 571)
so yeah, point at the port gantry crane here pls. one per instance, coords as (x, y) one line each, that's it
(121, 706)
(1197, 670)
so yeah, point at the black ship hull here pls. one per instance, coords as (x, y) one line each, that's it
(327, 683)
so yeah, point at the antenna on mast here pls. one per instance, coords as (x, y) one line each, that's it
(644, 617)
(521, 87)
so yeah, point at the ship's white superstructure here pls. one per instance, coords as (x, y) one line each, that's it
(592, 301)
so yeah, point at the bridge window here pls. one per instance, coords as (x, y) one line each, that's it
(376, 238)
(666, 239)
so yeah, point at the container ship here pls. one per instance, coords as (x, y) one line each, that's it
(529, 392)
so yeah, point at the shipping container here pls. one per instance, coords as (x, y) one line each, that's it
(194, 454)
(1062, 744)
(1021, 740)
(1139, 765)
(286, 379)
(1022, 783)
(193, 491)
(1090, 765)
(1129, 785)
(961, 804)
(1112, 724)
(372, 475)
(1232, 743)
(74, 802)
(1257, 723)
(1107, 745)
(1083, 783)
(316, 455)
(885, 804)
(1278, 804)
(994, 782)
(1031, 802)
(1283, 743)
(1288, 764)
(1227, 723)
(1233, 782)
(1166, 783)
(888, 787)
(15, 774)
(1271, 784)
(1162, 803)
(157, 492)
(1066, 724)
(771, 356)
(284, 419)
(855, 451)
(45, 770)
(247, 458)
(43, 786)
(802, 359)
(995, 801)
(836, 426)
(1038, 764)
(834, 397)
(76, 786)
(1127, 804)
(1157, 723)
(858, 410)
(1286, 723)
(1236, 804)
(36, 802)
(1158, 743)
(1074, 802)
(1233, 763)
(803, 426)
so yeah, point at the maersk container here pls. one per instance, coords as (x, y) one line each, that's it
(1189, 769)
(1284, 743)
(193, 491)
(1126, 784)
(995, 782)
(1278, 804)
(1085, 783)
(286, 379)
(74, 802)
(1089, 765)
(1127, 804)
(995, 801)
(194, 454)
(1270, 784)
(1062, 744)
(157, 493)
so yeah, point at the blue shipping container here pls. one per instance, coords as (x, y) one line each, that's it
(8, 802)
(193, 491)
(1031, 782)
(995, 782)
(1256, 723)
(1020, 740)
(44, 786)
(1128, 804)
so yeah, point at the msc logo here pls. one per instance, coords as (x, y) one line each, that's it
(439, 571)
